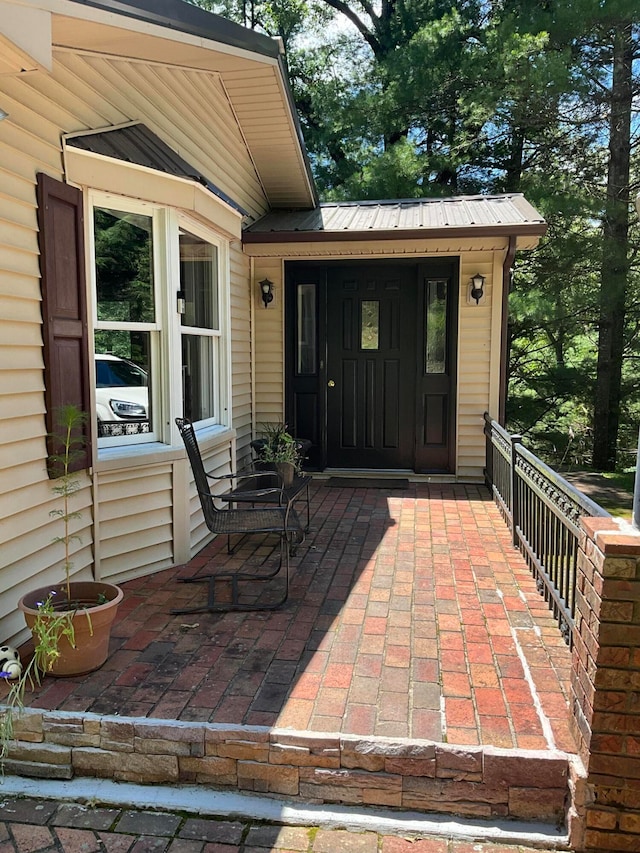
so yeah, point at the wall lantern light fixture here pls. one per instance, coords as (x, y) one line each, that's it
(477, 287)
(266, 291)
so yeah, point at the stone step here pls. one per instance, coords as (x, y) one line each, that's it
(161, 801)
(424, 777)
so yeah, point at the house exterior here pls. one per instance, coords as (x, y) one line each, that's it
(152, 175)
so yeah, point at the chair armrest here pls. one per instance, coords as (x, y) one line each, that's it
(247, 481)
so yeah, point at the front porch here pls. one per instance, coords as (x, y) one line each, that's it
(411, 615)
(414, 667)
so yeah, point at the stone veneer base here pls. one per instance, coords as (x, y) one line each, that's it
(308, 767)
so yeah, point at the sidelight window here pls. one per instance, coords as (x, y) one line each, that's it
(307, 330)
(436, 326)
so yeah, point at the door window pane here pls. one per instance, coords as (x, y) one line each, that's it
(124, 266)
(307, 348)
(370, 324)
(436, 327)
(122, 376)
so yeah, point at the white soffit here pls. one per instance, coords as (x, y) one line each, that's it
(25, 38)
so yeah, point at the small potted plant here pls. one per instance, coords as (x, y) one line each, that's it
(73, 618)
(278, 450)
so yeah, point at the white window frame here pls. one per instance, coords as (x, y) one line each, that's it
(221, 361)
(165, 390)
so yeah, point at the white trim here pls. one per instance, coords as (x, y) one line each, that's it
(149, 186)
(145, 28)
(155, 329)
(165, 389)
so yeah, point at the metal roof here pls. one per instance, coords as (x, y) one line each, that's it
(464, 216)
(135, 143)
(187, 18)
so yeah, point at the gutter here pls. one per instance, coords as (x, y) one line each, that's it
(511, 231)
(293, 111)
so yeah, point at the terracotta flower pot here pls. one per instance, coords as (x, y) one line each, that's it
(92, 634)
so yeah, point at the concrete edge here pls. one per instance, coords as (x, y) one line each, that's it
(208, 802)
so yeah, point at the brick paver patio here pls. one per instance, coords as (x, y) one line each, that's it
(410, 615)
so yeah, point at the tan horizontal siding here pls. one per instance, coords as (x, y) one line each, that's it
(137, 508)
(136, 530)
(27, 530)
(269, 342)
(17, 189)
(474, 360)
(241, 346)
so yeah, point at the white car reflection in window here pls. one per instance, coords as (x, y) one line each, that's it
(122, 394)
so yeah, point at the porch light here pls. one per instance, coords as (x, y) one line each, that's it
(266, 291)
(3, 114)
(477, 287)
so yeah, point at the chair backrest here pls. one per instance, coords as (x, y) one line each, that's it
(202, 484)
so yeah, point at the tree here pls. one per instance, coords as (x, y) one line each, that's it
(615, 251)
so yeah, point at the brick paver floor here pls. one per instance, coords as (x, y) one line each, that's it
(410, 615)
(42, 826)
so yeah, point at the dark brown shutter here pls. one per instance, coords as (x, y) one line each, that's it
(64, 305)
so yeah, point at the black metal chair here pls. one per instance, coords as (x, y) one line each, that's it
(280, 519)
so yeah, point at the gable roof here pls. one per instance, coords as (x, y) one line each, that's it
(250, 66)
(461, 216)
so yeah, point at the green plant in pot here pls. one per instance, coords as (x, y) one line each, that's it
(277, 449)
(70, 621)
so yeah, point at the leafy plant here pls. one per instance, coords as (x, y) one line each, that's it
(70, 441)
(279, 445)
(51, 623)
(46, 634)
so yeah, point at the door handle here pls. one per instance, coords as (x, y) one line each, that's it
(331, 383)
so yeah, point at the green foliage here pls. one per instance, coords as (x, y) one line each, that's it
(51, 623)
(47, 630)
(432, 98)
(278, 446)
(70, 440)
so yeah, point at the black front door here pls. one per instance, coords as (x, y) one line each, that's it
(370, 363)
(370, 366)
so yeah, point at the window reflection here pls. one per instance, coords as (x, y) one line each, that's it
(306, 363)
(436, 327)
(124, 266)
(370, 325)
(200, 326)
(122, 374)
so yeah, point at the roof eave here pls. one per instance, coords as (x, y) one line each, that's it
(187, 18)
(532, 230)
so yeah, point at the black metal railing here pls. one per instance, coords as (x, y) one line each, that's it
(543, 512)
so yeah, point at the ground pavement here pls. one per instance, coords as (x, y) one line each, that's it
(44, 826)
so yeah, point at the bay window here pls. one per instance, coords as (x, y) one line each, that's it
(158, 321)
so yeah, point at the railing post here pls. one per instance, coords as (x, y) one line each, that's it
(488, 435)
(515, 502)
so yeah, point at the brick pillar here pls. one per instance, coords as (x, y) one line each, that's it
(606, 683)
